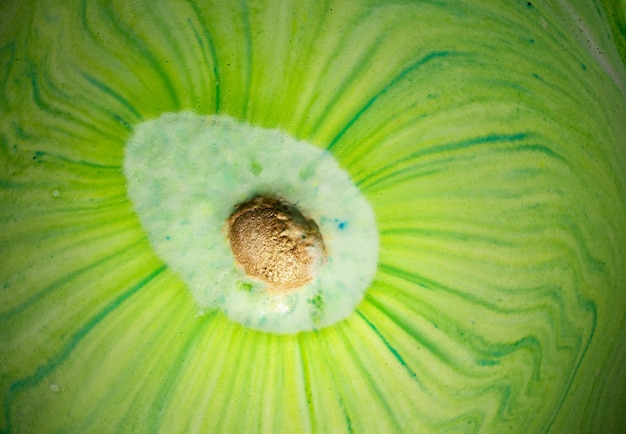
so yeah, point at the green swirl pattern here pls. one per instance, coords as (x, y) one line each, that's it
(489, 138)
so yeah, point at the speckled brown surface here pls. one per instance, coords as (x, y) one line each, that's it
(274, 242)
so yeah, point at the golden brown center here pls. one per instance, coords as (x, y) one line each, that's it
(274, 242)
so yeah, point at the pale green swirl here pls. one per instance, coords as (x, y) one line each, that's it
(490, 139)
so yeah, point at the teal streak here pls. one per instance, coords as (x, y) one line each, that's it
(376, 176)
(348, 85)
(394, 81)
(94, 81)
(248, 47)
(393, 351)
(27, 302)
(161, 401)
(44, 370)
(201, 39)
(590, 306)
(138, 44)
(44, 156)
(40, 99)
(373, 379)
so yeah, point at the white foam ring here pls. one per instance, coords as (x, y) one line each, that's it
(185, 174)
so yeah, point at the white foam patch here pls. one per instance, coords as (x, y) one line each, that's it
(186, 173)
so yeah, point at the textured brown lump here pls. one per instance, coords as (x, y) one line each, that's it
(274, 242)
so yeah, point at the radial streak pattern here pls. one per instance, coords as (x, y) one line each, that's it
(488, 139)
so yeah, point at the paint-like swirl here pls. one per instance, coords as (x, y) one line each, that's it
(487, 137)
